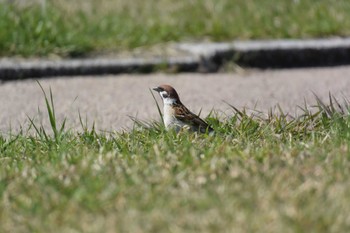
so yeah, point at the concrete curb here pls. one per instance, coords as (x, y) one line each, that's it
(203, 57)
(12, 70)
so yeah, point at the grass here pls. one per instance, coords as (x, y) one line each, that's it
(258, 173)
(77, 28)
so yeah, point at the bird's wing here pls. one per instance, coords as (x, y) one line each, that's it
(185, 115)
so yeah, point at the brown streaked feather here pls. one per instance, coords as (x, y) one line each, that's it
(182, 113)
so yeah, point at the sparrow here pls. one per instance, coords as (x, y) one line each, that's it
(176, 115)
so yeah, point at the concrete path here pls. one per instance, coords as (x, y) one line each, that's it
(109, 100)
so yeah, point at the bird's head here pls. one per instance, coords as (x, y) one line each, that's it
(168, 94)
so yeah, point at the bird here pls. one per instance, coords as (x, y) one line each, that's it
(176, 115)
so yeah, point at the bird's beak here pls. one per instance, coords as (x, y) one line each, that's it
(157, 89)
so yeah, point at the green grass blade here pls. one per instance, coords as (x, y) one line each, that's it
(240, 113)
(32, 124)
(63, 127)
(50, 110)
(158, 108)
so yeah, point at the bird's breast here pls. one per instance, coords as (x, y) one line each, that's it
(169, 118)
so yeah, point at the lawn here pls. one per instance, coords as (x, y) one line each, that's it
(258, 173)
(81, 27)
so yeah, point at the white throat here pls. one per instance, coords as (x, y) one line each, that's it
(169, 101)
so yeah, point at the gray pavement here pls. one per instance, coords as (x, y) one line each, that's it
(109, 100)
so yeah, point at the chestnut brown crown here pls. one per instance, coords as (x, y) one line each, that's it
(167, 91)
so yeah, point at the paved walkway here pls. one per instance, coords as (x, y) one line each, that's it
(109, 100)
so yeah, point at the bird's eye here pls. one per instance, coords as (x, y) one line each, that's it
(164, 94)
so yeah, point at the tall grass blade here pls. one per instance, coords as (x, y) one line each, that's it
(331, 105)
(50, 110)
(240, 113)
(322, 107)
(63, 126)
(32, 124)
(40, 131)
(158, 108)
(50, 106)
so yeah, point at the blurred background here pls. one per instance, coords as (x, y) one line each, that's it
(79, 28)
